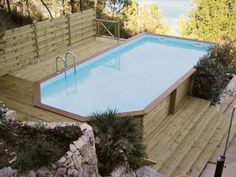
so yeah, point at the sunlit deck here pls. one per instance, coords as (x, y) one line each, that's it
(43, 69)
(16, 88)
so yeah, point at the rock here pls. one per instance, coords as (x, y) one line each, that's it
(92, 160)
(69, 153)
(77, 162)
(72, 148)
(146, 171)
(7, 172)
(61, 162)
(85, 150)
(72, 172)
(79, 143)
(42, 172)
(70, 165)
(86, 128)
(60, 172)
(52, 125)
(119, 171)
(12, 160)
(88, 171)
(32, 174)
(10, 115)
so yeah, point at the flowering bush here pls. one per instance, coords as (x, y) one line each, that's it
(212, 76)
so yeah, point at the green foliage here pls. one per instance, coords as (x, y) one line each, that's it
(42, 153)
(3, 111)
(117, 142)
(144, 18)
(35, 147)
(12, 19)
(211, 20)
(211, 76)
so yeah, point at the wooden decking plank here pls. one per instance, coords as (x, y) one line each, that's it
(159, 127)
(32, 111)
(172, 129)
(202, 159)
(197, 147)
(180, 134)
(46, 67)
(220, 147)
(184, 146)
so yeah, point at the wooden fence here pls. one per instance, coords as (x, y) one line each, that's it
(30, 44)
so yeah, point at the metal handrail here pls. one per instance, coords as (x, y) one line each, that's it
(73, 57)
(64, 62)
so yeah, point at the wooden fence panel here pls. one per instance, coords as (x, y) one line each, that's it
(26, 45)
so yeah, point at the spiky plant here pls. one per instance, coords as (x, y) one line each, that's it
(117, 142)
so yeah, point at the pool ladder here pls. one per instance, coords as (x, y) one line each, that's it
(65, 61)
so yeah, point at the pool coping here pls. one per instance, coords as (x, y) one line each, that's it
(148, 108)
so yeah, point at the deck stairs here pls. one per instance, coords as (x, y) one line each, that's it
(183, 143)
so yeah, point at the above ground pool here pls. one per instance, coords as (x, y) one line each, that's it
(127, 78)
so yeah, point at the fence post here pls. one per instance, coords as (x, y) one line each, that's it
(3, 68)
(118, 28)
(36, 41)
(69, 30)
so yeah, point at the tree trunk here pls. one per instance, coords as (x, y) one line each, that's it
(73, 8)
(28, 8)
(63, 7)
(45, 5)
(8, 6)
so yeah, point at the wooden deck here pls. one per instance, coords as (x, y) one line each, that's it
(85, 50)
(183, 143)
(180, 144)
(16, 89)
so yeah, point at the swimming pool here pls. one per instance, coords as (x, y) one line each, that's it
(129, 78)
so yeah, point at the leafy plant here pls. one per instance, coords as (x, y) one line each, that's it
(34, 147)
(211, 76)
(3, 111)
(117, 142)
(43, 153)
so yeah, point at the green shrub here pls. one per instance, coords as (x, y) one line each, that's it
(3, 111)
(42, 153)
(117, 142)
(35, 147)
(211, 76)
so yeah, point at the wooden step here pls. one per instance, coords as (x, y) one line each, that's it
(171, 128)
(197, 147)
(179, 150)
(203, 158)
(158, 129)
(220, 147)
(174, 131)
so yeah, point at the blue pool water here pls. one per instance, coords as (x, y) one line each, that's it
(126, 78)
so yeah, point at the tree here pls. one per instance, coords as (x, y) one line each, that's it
(144, 17)
(8, 6)
(45, 5)
(211, 20)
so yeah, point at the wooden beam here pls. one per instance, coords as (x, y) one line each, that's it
(173, 102)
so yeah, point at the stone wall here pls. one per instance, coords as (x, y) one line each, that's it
(79, 161)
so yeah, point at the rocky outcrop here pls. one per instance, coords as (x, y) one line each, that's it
(144, 171)
(79, 161)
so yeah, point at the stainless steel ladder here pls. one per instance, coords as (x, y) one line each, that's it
(65, 61)
(73, 57)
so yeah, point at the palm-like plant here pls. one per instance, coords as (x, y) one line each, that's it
(117, 142)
